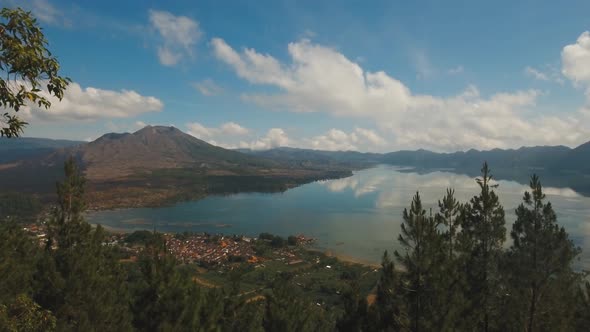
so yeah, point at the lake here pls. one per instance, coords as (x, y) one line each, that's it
(358, 216)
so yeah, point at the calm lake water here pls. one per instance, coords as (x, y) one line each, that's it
(358, 216)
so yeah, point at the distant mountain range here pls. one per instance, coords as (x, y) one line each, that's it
(152, 166)
(13, 149)
(555, 158)
(558, 166)
(160, 163)
(152, 148)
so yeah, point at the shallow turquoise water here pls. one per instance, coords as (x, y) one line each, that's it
(358, 216)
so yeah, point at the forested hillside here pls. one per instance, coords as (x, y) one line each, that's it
(453, 273)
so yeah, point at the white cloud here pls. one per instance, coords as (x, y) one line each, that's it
(140, 124)
(232, 135)
(179, 36)
(338, 140)
(208, 88)
(320, 79)
(275, 137)
(536, 74)
(334, 140)
(370, 135)
(234, 129)
(548, 73)
(456, 70)
(44, 11)
(92, 103)
(575, 60)
(167, 57)
(212, 134)
(199, 131)
(252, 66)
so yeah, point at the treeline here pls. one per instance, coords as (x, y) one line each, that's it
(20, 207)
(453, 274)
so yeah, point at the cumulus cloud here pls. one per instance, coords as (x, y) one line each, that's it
(547, 73)
(320, 79)
(275, 137)
(232, 128)
(575, 60)
(226, 130)
(335, 140)
(91, 103)
(338, 140)
(208, 88)
(536, 74)
(231, 135)
(179, 36)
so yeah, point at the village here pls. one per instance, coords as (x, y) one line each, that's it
(203, 248)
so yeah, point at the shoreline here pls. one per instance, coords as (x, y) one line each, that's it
(327, 252)
(345, 258)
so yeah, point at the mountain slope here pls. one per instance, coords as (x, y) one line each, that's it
(158, 165)
(151, 148)
(13, 149)
(538, 157)
(318, 158)
(577, 159)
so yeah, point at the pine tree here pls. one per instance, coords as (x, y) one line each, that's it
(421, 260)
(449, 281)
(388, 313)
(164, 299)
(289, 311)
(78, 278)
(18, 255)
(540, 257)
(450, 216)
(482, 236)
(24, 315)
(355, 317)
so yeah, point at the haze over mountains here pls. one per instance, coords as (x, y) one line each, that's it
(166, 159)
(158, 147)
(556, 158)
(118, 155)
(154, 165)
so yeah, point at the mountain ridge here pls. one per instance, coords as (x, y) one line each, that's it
(157, 165)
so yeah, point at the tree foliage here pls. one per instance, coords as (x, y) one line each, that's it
(483, 233)
(454, 275)
(420, 259)
(539, 259)
(28, 68)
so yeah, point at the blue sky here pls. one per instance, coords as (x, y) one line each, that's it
(337, 75)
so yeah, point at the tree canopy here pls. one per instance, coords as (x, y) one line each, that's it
(30, 71)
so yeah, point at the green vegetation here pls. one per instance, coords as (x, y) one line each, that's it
(455, 276)
(19, 206)
(29, 66)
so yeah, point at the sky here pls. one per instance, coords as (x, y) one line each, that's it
(333, 75)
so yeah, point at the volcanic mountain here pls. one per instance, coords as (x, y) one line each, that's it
(151, 148)
(157, 165)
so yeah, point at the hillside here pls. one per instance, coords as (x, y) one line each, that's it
(157, 165)
(549, 158)
(538, 157)
(12, 149)
(119, 155)
(318, 158)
